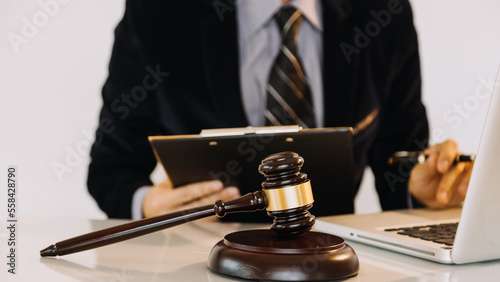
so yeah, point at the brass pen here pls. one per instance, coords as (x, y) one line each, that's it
(418, 157)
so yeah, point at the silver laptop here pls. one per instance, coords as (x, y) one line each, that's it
(477, 236)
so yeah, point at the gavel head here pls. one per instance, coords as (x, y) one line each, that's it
(288, 193)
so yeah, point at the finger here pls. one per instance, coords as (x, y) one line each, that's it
(226, 194)
(431, 150)
(229, 193)
(464, 182)
(448, 183)
(194, 191)
(446, 155)
(426, 170)
(461, 184)
(158, 201)
(424, 180)
(166, 184)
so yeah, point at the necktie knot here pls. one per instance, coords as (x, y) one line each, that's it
(288, 20)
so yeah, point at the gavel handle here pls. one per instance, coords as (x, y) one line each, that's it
(249, 202)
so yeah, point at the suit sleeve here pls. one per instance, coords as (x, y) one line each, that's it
(403, 122)
(121, 156)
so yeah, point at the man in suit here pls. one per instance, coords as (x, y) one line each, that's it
(180, 67)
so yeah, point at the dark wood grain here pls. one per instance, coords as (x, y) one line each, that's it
(265, 255)
(281, 170)
(249, 202)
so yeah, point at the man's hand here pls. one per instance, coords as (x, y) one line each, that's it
(163, 198)
(438, 182)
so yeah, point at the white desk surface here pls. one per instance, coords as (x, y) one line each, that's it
(180, 254)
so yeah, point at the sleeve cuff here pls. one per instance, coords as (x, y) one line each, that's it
(409, 200)
(137, 201)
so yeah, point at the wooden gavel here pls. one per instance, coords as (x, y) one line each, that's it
(286, 195)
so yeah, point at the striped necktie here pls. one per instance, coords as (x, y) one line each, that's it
(288, 93)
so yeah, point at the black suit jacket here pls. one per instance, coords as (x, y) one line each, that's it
(174, 70)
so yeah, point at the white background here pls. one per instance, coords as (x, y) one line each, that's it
(50, 90)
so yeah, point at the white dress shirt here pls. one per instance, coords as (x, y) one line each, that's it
(259, 45)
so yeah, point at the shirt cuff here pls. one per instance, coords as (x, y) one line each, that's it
(409, 200)
(137, 201)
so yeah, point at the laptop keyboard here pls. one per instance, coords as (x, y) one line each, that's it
(440, 233)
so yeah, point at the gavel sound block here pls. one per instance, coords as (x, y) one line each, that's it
(287, 252)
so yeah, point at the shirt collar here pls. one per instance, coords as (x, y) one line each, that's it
(256, 14)
(311, 9)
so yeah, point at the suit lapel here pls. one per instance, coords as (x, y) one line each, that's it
(220, 57)
(339, 74)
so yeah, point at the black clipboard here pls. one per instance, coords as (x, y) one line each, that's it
(233, 155)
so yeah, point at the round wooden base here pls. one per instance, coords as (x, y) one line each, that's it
(263, 255)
